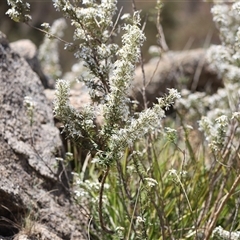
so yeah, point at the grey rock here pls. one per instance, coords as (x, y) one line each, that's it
(28, 50)
(32, 182)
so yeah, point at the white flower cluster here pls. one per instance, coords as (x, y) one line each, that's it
(48, 50)
(195, 105)
(225, 58)
(171, 134)
(76, 124)
(91, 24)
(93, 29)
(213, 113)
(167, 101)
(87, 192)
(218, 109)
(116, 107)
(110, 72)
(84, 188)
(147, 121)
(191, 105)
(215, 131)
(220, 233)
(18, 11)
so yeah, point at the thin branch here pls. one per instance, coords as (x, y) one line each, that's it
(213, 221)
(47, 33)
(116, 22)
(134, 210)
(100, 204)
(161, 36)
(134, 8)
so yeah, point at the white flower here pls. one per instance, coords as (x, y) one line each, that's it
(151, 182)
(140, 219)
(46, 25)
(236, 115)
(125, 16)
(86, 2)
(236, 6)
(171, 134)
(222, 120)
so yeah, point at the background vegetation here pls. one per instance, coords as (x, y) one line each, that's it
(179, 19)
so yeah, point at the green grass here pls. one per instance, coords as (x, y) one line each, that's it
(189, 189)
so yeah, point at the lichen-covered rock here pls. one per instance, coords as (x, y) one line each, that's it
(32, 182)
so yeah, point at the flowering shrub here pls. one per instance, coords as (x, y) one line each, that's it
(143, 177)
